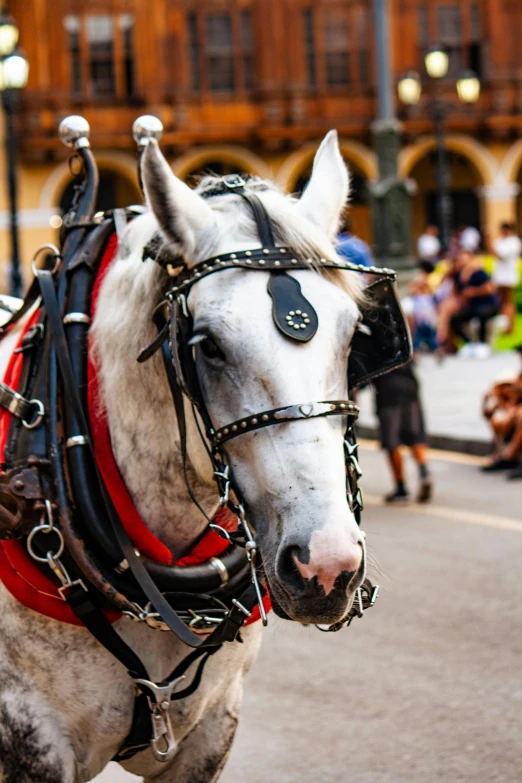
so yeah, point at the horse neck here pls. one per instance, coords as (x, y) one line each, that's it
(139, 407)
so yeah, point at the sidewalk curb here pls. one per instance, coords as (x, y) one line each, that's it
(478, 448)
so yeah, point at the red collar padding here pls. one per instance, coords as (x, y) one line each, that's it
(19, 573)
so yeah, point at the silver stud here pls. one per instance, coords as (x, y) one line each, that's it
(307, 320)
(233, 255)
(197, 274)
(236, 261)
(243, 424)
(234, 428)
(288, 317)
(298, 312)
(292, 312)
(277, 263)
(305, 315)
(218, 260)
(294, 260)
(323, 260)
(265, 417)
(303, 326)
(262, 261)
(254, 421)
(290, 323)
(223, 263)
(226, 431)
(249, 260)
(343, 405)
(266, 251)
(283, 250)
(296, 326)
(248, 253)
(205, 266)
(219, 435)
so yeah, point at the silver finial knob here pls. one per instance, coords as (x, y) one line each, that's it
(74, 131)
(145, 128)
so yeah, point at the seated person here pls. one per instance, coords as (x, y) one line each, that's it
(502, 407)
(476, 300)
(423, 311)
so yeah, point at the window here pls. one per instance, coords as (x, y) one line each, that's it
(336, 49)
(220, 53)
(309, 46)
(127, 26)
(195, 78)
(100, 37)
(95, 72)
(72, 26)
(247, 49)
(450, 35)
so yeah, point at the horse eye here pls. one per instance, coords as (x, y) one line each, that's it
(210, 350)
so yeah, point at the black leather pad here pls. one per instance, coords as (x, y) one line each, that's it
(292, 313)
(385, 342)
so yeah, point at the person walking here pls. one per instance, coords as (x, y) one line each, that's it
(507, 249)
(401, 423)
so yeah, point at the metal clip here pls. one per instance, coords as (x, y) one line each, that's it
(224, 475)
(159, 703)
(251, 550)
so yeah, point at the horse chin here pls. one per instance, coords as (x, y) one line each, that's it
(315, 609)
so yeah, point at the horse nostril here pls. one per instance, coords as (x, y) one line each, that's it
(287, 569)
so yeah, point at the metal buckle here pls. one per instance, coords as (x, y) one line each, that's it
(233, 181)
(159, 703)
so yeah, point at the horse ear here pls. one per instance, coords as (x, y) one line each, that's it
(181, 213)
(327, 191)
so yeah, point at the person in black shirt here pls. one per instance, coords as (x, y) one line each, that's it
(401, 422)
(477, 299)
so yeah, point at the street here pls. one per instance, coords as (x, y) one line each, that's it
(426, 687)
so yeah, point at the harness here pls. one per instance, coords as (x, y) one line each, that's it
(55, 497)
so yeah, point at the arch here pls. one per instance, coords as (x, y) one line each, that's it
(364, 158)
(233, 155)
(57, 181)
(511, 163)
(482, 159)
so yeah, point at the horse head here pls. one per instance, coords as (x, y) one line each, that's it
(293, 475)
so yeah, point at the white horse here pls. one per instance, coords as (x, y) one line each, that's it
(65, 703)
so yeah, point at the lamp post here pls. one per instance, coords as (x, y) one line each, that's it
(409, 88)
(390, 196)
(14, 71)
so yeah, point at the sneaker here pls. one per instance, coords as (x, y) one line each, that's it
(466, 352)
(481, 351)
(515, 474)
(397, 498)
(425, 491)
(499, 464)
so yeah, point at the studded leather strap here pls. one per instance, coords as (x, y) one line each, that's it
(308, 410)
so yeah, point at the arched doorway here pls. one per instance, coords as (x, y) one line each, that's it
(359, 204)
(464, 183)
(115, 190)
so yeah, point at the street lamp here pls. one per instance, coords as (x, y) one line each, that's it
(14, 72)
(409, 88)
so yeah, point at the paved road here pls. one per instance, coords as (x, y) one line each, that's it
(427, 686)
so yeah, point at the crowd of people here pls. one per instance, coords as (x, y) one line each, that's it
(453, 300)
(451, 305)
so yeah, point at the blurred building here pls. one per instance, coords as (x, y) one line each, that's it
(253, 85)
